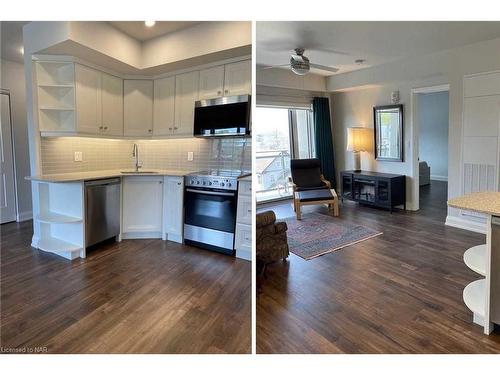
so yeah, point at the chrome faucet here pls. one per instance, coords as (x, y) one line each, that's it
(135, 153)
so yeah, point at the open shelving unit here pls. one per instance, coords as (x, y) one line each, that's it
(475, 259)
(59, 220)
(56, 95)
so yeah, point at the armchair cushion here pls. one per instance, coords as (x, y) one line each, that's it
(306, 173)
(272, 244)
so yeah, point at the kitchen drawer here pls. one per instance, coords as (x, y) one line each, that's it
(245, 188)
(244, 214)
(243, 238)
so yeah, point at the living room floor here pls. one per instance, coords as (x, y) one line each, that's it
(400, 292)
(137, 296)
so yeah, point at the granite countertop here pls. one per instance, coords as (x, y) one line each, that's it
(94, 175)
(485, 202)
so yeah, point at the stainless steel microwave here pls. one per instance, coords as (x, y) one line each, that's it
(225, 116)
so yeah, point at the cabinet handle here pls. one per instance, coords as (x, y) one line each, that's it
(150, 130)
(226, 91)
(179, 183)
(169, 128)
(249, 211)
(100, 127)
(105, 128)
(219, 92)
(160, 182)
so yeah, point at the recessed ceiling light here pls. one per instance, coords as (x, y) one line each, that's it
(359, 61)
(149, 23)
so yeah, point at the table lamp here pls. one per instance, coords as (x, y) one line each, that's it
(358, 139)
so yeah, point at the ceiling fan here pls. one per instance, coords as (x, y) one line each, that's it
(300, 64)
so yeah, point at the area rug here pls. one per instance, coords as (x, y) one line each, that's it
(317, 234)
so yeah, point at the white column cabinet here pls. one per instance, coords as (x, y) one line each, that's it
(112, 104)
(142, 206)
(138, 107)
(243, 235)
(238, 78)
(88, 99)
(173, 208)
(186, 94)
(164, 106)
(211, 82)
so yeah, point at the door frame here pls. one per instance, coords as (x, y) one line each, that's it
(12, 141)
(415, 136)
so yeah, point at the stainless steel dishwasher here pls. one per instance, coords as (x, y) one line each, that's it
(102, 213)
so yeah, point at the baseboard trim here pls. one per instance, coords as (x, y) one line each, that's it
(24, 216)
(439, 178)
(458, 222)
(140, 235)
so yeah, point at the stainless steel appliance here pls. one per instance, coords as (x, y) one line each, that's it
(210, 209)
(226, 116)
(102, 213)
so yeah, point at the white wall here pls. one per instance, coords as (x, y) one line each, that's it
(13, 79)
(432, 117)
(445, 67)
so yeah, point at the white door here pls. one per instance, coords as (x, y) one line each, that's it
(173, 206)
(142, 204)
(164, 106)
(238, 78)
(7, 184)
(138, 107)
(88, 99)
(211, 82)
(186, 94)
(112, 104)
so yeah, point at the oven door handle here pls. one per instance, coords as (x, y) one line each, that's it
(211, 192)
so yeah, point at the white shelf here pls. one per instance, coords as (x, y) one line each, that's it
(475, 259)
(53, 85)
(56, 109)
(53, 217)
(55, 245)
(475, 298)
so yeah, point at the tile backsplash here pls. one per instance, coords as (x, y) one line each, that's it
(102, 154)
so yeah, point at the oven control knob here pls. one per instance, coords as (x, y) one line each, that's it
(210, 183)
(192, 182)
(197, 182)
(222, 184)
(228, 184)
(204, 182)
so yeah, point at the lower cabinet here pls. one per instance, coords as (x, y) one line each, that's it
(173, 208)
(142, 207)
(243, 235)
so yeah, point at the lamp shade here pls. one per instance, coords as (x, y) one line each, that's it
(358, 139)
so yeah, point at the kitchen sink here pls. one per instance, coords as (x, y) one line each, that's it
(138, 172)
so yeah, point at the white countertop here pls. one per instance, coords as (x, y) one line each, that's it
(93, 175)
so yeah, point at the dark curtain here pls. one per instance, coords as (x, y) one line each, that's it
(324, 141)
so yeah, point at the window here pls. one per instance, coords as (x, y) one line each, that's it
(280, 134)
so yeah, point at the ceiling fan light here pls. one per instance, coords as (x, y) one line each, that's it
(300, 70)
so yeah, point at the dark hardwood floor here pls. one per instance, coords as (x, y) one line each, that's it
(400, 292)
(137, 296)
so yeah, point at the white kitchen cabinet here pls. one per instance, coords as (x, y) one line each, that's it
(88, 99)
(138, 107)
(238, 78)
(173, 208)
(112, 104)
(99, 102)
(243, 235)
(164, 106)
(186, 94)
(142, 206)
(211, 82)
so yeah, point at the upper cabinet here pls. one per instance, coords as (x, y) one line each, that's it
(211, 82)
(186, 94)
(99, 102)
(226, 80)
(112, 104)
(138, 107)
(164, 106)
(238, 78)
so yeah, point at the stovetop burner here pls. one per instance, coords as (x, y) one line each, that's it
(230, 173)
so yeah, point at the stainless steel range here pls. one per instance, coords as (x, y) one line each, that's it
(210, 209)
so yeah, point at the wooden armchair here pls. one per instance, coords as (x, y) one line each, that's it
(310, 186)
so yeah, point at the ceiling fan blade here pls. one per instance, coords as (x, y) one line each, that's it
(324, 67)
(273, 66)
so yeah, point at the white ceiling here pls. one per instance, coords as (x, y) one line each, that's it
(338, 44)
(139, 31)
(12, 40)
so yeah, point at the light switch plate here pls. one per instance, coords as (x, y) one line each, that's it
(190, 155)
(78, 156)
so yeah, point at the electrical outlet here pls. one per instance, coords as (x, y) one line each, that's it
(190, 155)
(78, 156)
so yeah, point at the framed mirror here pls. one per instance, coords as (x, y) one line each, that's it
(388, 125)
